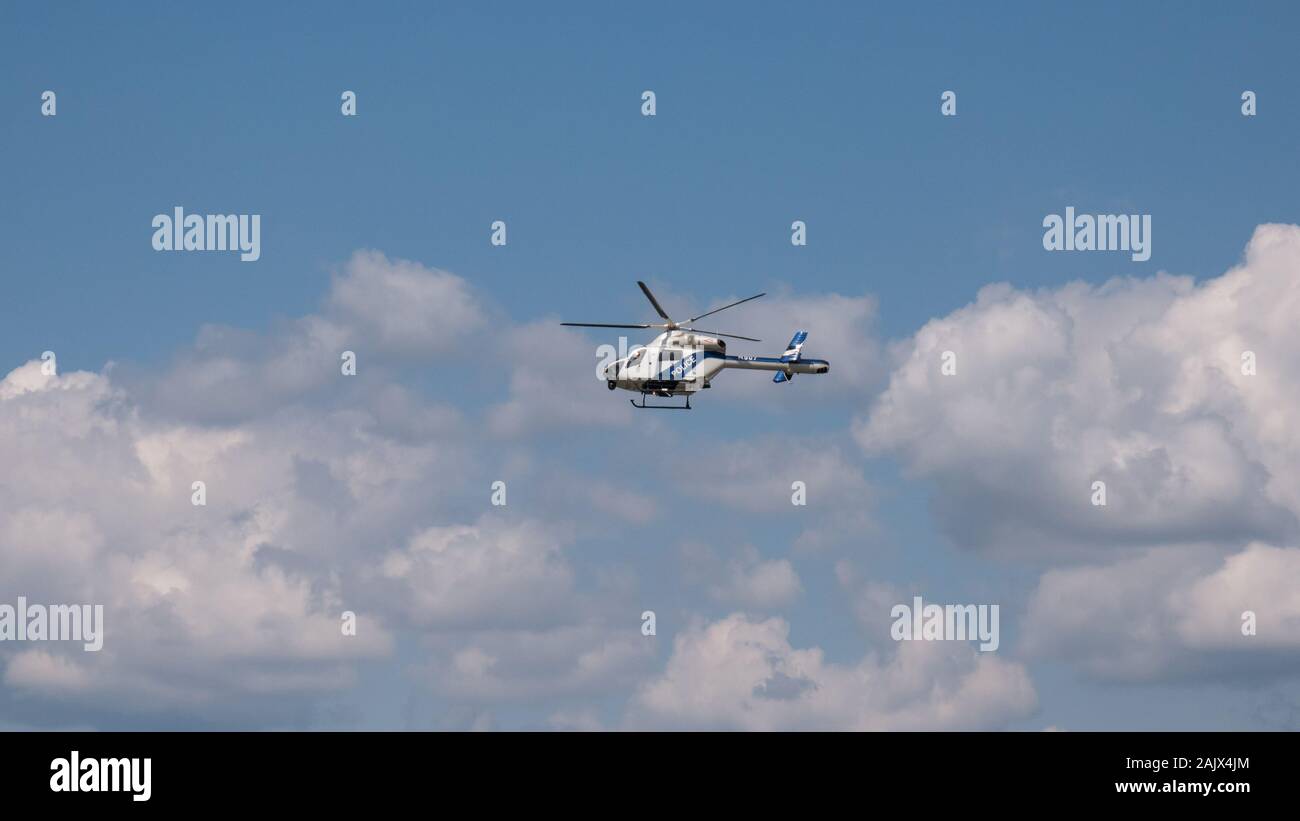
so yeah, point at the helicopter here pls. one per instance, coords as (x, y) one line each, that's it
(684, 359)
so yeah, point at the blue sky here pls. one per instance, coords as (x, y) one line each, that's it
(767, 113)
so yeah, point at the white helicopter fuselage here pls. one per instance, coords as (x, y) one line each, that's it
(681, 362)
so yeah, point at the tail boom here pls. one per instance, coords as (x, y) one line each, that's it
(772, 363)
(787, 365)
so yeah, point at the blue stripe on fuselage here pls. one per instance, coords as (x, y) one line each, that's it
(678, 370)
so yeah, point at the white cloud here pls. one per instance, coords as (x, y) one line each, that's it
(742, 673)
(229, 609)
(582, 720)
(760, 480)
(1136, 383)
(325, 493)
(552, 383)
(562, 662)
(752, 583)
(39, 670)
(384, 311)
(100, 514)
(486, 574)
(403, 307)
(1172, 613)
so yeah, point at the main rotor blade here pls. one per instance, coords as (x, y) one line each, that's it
(725, 307)
(715, 333)
(654, 301)
(605, 325)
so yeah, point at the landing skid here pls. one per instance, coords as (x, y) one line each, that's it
(644, 406)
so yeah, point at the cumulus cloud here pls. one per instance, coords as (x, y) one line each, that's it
(488, 574)
(1137, 383)
(745, 579)
(101, 514)
(553, 384)
(759, 584)
(582, 720)
(403, 307)
(742, 673)
(385, 311)
(1143, 384)
(565, 663)
(1171, 613)
(37, 670)
(230, 612)
(761, 481)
